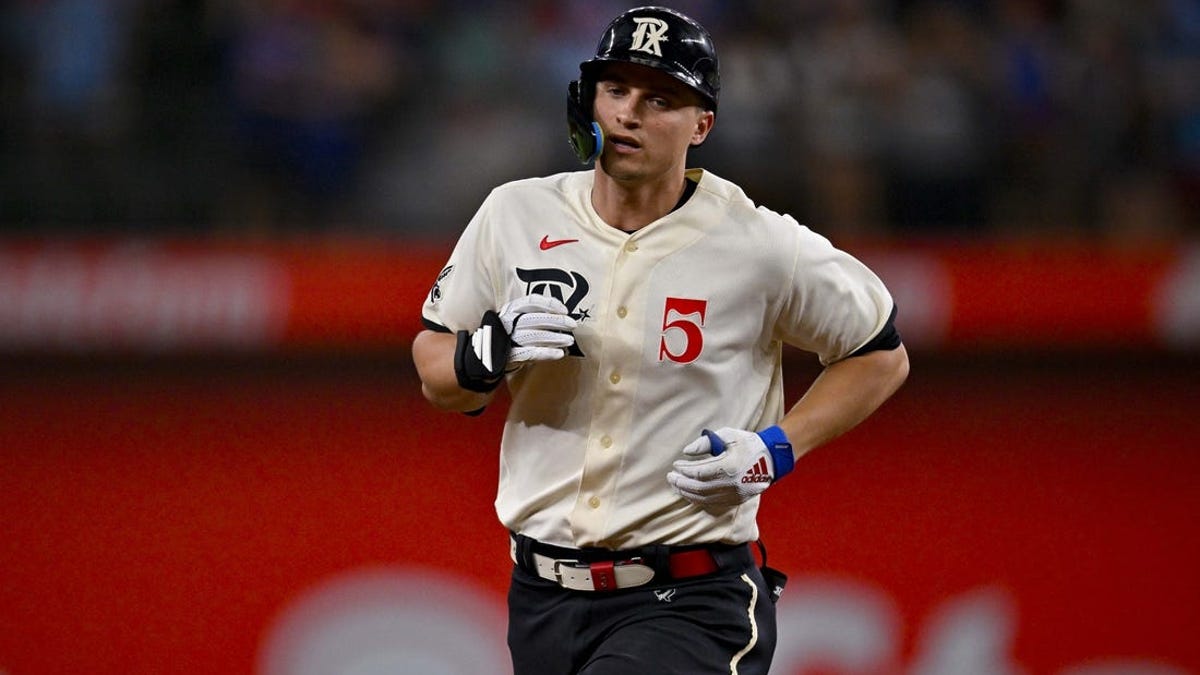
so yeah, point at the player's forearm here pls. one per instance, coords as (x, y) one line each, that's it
(433, 355)
(842, 396)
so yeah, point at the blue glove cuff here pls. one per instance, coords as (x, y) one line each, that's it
(780, 448)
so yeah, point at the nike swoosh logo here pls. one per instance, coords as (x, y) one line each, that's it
(546, 244)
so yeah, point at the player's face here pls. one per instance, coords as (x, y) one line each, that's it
(649, 120)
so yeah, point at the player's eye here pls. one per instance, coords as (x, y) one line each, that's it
(613, 89)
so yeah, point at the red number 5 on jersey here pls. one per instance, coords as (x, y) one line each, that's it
(682, 330)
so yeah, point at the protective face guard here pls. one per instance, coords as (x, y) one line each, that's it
(582, 131)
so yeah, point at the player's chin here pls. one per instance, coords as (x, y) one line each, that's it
(623, 167)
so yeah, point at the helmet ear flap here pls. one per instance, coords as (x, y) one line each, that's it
(584, 133)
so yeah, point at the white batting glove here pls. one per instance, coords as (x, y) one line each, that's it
(540, 327)
(731, 466)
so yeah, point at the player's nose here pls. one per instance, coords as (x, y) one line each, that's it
(627, 114)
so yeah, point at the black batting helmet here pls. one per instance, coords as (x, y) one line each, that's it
(664, 39)
(657, 37)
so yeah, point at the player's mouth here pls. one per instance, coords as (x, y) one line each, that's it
(624, 143)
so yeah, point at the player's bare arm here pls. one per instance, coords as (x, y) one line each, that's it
(433, 355)
(843, 395)
(730, 466)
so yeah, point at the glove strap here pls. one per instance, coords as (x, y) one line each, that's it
(780, 448)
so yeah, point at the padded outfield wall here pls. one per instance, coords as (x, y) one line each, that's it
(274, 516)
(214, 459)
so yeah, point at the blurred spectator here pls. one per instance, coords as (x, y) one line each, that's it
(71, 111)
(1065, 118)
(179, 161)
(851, 66)
(305, 79)
(1172, 97)
(477, 120)
(937, 138)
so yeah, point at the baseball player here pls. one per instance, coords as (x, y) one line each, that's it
(637, 313)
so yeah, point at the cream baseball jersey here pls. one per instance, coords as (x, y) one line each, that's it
(681, 326)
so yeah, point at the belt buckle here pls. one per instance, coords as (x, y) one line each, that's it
(573, 564)
(601, 574)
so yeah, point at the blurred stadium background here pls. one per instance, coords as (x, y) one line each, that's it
(218, 221)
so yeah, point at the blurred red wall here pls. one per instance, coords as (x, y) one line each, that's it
(158, 516)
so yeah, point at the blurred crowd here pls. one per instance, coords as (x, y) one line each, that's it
(873, 118)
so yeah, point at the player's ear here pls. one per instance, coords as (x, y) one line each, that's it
(704, 124)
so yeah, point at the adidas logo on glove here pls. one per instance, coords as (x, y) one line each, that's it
(757, 473)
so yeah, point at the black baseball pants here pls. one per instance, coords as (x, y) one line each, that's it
(720, 624)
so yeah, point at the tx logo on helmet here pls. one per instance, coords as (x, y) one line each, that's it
(649, 33)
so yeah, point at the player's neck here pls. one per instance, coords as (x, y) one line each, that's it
(632, 205)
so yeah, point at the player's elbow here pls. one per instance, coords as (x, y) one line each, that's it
(436, 399)
(897, 366)
(433, 356)
(883, 371)
(454, 399)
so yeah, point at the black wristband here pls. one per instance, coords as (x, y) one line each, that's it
(480, 356)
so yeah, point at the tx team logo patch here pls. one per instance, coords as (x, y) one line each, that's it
(649, 35)
(567, 287)
(570, 288)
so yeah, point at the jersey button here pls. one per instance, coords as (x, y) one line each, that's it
(621, 312)
(594, 502)
(606, 442)
(614, 378)
(630, 246)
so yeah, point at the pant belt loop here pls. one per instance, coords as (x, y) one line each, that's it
(658, 557)
(738, 555)
(525, 553)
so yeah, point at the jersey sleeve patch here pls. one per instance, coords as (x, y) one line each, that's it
(435, 293)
